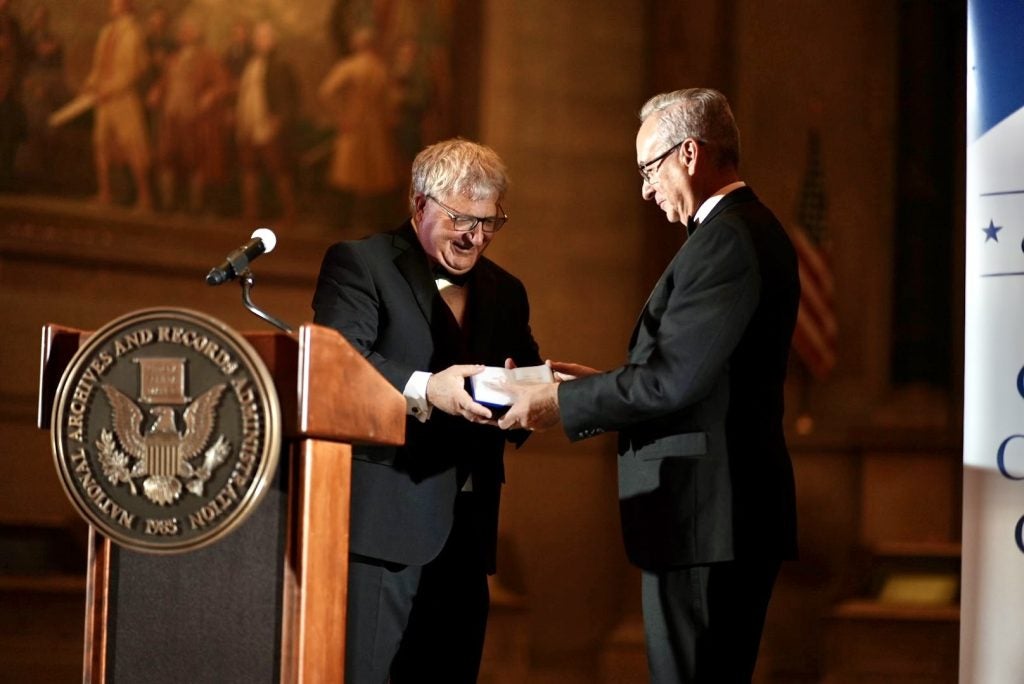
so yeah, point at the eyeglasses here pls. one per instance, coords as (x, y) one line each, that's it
(464, 223)
(650, 174)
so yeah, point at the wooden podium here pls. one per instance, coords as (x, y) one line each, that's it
(267, 602)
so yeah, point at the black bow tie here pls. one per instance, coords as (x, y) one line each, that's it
(691, 225)
(440, 272)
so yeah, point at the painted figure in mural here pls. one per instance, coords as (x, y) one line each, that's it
(45, 92)
(418, 41)
(234, 56)
(160, 40)
(268, 98)
(119, 62)
(706, 491)
(420, 303)
(365, 166)
(160, 45)
(414, 40)
(13, 56)
(191, 138)
(238, 50)
(412, 94)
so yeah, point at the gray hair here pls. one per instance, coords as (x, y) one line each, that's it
(700, 113)
(458, 166)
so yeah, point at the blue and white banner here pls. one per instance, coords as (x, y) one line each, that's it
(992, 585)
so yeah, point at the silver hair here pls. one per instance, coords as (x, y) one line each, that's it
(700, 113)
(461, 167)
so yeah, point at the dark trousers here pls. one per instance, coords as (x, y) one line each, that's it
(703, 623)
(419, 623)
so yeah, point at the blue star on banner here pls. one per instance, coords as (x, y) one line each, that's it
(992, 232)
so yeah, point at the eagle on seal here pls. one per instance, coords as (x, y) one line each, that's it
(164, 453)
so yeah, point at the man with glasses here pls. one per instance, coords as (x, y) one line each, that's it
(706, 486)
(428, 310)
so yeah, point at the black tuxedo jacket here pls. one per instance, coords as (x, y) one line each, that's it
(704, 472)
(379, 293)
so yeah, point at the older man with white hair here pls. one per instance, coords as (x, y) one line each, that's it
(428, 310)
(706, 490)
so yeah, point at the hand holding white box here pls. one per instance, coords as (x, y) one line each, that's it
(489, 386)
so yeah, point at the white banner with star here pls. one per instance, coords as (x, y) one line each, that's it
(992, 575)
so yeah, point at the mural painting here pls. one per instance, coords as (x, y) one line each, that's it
(296, 111)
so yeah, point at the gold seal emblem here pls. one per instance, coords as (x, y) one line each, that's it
(166, 430)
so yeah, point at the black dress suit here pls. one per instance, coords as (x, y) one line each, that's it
(380, 294)
(704, 473)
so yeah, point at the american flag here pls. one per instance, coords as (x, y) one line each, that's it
(816, 330)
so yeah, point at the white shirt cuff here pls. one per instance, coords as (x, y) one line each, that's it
(415, 393)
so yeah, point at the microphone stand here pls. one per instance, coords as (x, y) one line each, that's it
(248, 281)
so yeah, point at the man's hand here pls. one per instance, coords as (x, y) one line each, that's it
(446, 391)
(535, 407)
(570, 371)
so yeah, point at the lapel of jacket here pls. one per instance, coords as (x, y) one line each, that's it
(412, 263)
(643, 310)
(743, 194)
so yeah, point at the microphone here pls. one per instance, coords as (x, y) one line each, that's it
(263, 241)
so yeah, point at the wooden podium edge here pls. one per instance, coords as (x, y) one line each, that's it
(57, 347)
(316, 575)
(97, 609)
(328, 368)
